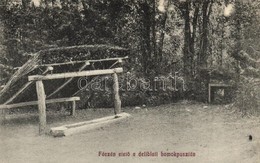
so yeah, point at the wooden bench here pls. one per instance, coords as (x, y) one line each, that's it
(50, 101)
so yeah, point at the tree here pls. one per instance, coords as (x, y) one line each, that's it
(196, 14)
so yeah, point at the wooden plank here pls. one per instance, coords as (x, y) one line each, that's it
(89, 61)
(57, 100)
(50, 101)
(73, 109)
(75, 128)
(41, 106)
(219, 85)
(75, 74)
(19, 92)
(117, 101)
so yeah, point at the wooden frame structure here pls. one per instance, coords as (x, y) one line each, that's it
(215, 85)
(41, 93)
(42, 101)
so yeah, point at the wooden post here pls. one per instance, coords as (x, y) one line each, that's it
(117, 101)
(73, 109)
(41, 106)
(209, 94)
(3, 116)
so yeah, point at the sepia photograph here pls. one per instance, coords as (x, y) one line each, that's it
(129, 81)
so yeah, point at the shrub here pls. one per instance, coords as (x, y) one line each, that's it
(247, 100)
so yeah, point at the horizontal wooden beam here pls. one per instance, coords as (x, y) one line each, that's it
(75, 74)
(22, 104)
(219, 85)
(87, 61)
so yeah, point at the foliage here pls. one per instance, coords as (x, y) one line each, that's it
(245, 28)
(248, 99)
(164, 37)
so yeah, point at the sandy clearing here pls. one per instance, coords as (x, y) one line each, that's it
(214, 134)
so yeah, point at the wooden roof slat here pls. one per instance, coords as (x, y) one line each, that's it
(24, 87)
(76, 62)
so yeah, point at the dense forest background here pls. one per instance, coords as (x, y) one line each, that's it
(202, 40)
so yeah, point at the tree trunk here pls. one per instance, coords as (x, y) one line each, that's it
(187, 40)
(161, 39)
(203, 55)
(25, 4)
(194, 26)
(162, 29)
(154, 29)
(146, 35)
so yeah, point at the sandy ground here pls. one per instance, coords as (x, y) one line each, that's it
(214, 134)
